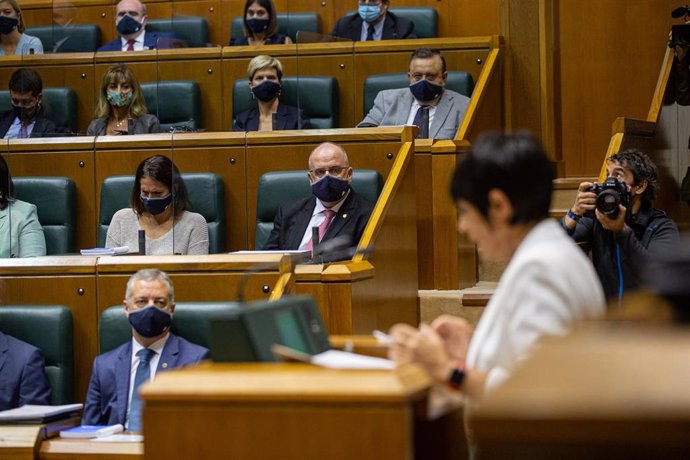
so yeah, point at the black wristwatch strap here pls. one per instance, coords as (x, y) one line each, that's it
(456, 378)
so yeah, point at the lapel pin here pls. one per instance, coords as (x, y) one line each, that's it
(344, 216)
(165, 365)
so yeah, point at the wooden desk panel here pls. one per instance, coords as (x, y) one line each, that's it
(67, 281)
(85, 449)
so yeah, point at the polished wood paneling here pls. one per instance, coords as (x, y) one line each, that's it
(86, 449)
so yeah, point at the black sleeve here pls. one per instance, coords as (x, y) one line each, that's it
(663, 239)
(681, 81)
(407, 30)
(583, 230)
(240, 122)
(273, 241)
(303, 122)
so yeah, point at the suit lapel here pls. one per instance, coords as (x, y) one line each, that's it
(3, 349)
(342, 218)
(299, 225)
(5, 123)
(123, 369)
(356, 28)
(388, 31)
(442, 111)
(253, 120)
(281, 123)
(170, 354)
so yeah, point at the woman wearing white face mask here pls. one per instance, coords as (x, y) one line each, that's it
(265, 82)
(13, 40)
(159, 206)
(260, 25)
(121, 108)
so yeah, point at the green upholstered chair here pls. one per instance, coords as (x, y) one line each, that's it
(278, 187)
(61, 105)
(206, 194)
(56, 201)
(176, 103)
(192, 30)
(425, 20)
(80, 38)
(48, 328)
(458, 81)
(288, 24)
(191, 322)
(316, 96)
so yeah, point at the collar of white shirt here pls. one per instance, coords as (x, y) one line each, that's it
(378, 29)
(156, 346)
(416, 106)
(138, 42)
(319, 208)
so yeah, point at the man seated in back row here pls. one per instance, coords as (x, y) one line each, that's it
(426, 93)
(113, 395)
(372, 22)
(23, 377)
(335, 208)
(130, 22)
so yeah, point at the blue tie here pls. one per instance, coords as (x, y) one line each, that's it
(142, 376)
(370, 33)
(421, 120)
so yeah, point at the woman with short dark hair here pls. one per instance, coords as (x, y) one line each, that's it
(21, 235)
(260, 25)
(159, 206)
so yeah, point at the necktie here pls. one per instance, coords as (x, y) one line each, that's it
(142, 376)
(23, 131)
(370, 33)
(330, 214)
(419, 121)
(130, 45)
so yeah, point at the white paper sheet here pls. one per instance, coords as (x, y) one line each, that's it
(336, 359)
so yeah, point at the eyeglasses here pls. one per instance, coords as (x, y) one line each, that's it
(332, 171)
(370, 3)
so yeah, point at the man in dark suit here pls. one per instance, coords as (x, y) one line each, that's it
(28, 117)
(130, 22)
(23, 377)
(335, 208)
(113, 395)
(373, 21)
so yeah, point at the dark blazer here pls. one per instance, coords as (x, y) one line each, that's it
(394, 27)
(292, 219)
(23, 377)
(289, 117)
(44, 127)
(107, 397)
(277, 39)
(152, 41)
(145, 124)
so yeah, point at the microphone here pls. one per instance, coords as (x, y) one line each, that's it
(314, 240)
(142, 242)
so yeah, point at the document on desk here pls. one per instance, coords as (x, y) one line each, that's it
(38, 413)
(120, 438)
(336, 359)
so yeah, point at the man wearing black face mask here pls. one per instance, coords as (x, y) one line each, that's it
(130, 22)
(335, 208)
(113, 395)
(426, 98)
(28, 117)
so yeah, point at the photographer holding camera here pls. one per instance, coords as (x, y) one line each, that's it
(619, 221)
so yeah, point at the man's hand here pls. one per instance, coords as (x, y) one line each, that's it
(424, 347)
(585, 199)
(456, 334)
(615, 225)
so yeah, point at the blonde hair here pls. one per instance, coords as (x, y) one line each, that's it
(264, 62)
(116, 74)
(18, 11)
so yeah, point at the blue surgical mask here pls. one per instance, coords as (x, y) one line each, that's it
(128, 25)
(330, 188)
(7, 24)
(150, 321)
(369, 13)
(257, 26)
(426, 91)
(266, 91)
(116, 98)
(156, 206)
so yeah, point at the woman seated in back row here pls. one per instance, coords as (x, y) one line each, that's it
(13, 40)
(260, 25)
(21, 235)
(160, 207)
(265, 82)
(121, 108)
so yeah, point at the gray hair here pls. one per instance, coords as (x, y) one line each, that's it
(324, 144)
(150, 274)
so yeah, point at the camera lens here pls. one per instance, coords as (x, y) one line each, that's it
(608, 201)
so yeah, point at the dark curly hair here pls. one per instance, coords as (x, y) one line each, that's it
(642, 168)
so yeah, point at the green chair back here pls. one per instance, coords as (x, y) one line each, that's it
(60, 103)
(191, 322)
(288, 24)
(316, 96)
(193, 30)
(177, 104)
(80, 38)
(425, 20)
(206, 195)
(48, 328)
(56, 201)
(279, 187)
(458, 81)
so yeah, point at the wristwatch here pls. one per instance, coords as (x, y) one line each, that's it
(573, 216)
(456, 378)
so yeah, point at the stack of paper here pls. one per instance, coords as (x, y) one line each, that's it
(31, 414)
(105, 251)
(91, 431)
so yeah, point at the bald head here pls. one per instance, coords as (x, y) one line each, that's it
(328, 152)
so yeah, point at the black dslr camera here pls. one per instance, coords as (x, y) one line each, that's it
(610, 195)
